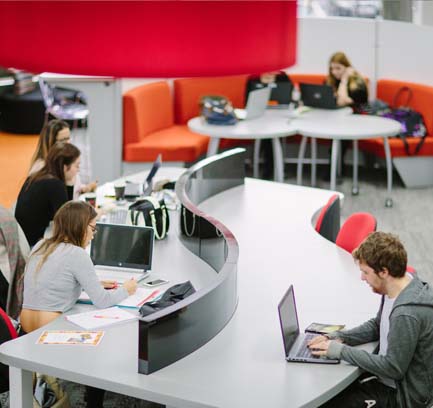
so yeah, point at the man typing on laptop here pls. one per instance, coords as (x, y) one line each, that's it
(400, 371)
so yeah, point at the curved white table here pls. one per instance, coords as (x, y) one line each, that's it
(348, 127)
(244, 365)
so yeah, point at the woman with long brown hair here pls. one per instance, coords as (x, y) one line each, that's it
(56, 131)
(59, 268)
(349, 86)
(45, 191)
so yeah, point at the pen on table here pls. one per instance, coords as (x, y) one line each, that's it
(106, 317)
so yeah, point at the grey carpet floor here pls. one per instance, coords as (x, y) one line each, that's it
(410, 218)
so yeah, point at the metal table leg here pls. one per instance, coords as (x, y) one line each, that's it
(278, 160)
(301, 155)
(388, 201)
(21, 387)
(213, 145)
(313, 161)
(256, 158)
(355, 189)
(334, 163)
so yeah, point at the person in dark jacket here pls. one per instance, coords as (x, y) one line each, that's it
(400, 371)
(45, 191)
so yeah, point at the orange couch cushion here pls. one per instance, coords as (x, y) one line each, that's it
(175, 143)
(187, 94)
(146, 109)
(422, 101)
(318, 79)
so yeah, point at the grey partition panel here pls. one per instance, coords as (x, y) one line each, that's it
(176, 331)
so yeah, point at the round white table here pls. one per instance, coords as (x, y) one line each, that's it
(348, 127)
(272, 125)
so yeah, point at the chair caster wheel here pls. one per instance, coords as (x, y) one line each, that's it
(388, 203)
(355, 191)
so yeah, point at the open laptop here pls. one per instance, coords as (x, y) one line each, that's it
(122, 252)
(281, 95)
(318, 96)
(133, 190)
(295, 343)
(256, 104)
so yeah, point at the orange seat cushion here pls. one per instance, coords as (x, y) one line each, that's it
(146, 109)
(188, 92)
(297, 79)
(175, 143)
(422, 102)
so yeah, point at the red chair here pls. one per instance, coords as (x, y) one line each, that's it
(328, 222)
(7, 332)
(355, 230)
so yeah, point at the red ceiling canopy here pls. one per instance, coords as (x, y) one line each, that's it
(148, 38)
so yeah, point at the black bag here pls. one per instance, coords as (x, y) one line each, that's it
(151, 213)
(412, 123)
(171, 296)
(217, 110)
(194, 226)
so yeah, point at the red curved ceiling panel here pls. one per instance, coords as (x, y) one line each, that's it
(148, 38)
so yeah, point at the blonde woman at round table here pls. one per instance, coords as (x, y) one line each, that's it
(59, 268)
(349, 86)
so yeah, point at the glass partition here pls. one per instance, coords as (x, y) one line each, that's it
(176, 331)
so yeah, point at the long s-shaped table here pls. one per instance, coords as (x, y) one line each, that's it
(243, 365)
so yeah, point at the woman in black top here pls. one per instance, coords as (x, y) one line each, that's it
(349, 87)
(45, 191)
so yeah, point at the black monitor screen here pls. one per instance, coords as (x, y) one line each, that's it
(123, 245)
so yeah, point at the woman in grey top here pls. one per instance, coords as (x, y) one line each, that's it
(59, 267)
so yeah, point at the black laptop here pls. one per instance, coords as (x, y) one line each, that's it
(318, 96)
(295, 342)
(281, 95)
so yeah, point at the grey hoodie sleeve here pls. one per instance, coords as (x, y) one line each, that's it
(365, 333)
(400, 351)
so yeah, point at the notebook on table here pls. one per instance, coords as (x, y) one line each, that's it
(122, 252)
(318, 96)
(256, 104)
(295, 342)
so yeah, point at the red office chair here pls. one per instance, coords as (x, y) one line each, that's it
(7, 332)
(355, 230)
(328, 222)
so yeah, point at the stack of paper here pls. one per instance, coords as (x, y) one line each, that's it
(100, 318)
(138, 299)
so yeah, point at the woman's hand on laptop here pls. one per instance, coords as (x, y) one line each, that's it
(131, 286)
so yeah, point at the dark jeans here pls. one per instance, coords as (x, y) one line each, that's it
(94, 397)
(267, 150)
(366, 392)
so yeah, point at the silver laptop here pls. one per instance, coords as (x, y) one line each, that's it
(122, 252)
(134, 190)
(295, 343)
(256, 104)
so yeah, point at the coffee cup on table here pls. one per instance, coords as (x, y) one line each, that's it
(119, 191)
(91, 199)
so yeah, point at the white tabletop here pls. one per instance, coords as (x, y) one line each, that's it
(244, 365)
(347, 127)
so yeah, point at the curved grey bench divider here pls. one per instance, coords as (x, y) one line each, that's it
(176, 331)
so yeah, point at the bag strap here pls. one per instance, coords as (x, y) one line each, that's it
(398, 95)
(156, 206)
(185, 227)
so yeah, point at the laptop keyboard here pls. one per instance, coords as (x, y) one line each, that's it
(304, 351)
(117, 216)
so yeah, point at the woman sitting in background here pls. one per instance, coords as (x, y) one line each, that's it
(59, 268)
(45, 191)
(56, 131)
(349, 87)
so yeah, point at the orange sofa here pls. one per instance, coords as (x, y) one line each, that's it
(155, 121)
(422, 101)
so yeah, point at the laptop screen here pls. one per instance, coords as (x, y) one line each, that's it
(288, 319)
(123, 246)
(156, 165)
(282, 93)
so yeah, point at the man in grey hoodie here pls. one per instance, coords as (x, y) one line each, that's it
(400, 371)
